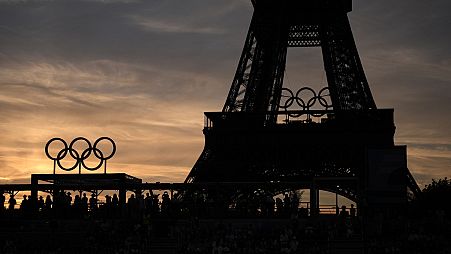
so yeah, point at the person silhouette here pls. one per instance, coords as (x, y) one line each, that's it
(132, 206)
(114, 204)
(286, 203)
(140, 201)
(2, 201)
(155, 203)
(165, 200)
(12, 202)
(108, 205)
(77, 204)
(48, 202)
(132, 201)
(108, 201)
(352, 211)
(24, 203)
(68, 199)
(84, 203)
(148, 203)
(279, 206)
(40, 203)
(344, 213)
(115, 200)
(93, 202)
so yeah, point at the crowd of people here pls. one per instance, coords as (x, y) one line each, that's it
(259, 237)
(63, 203)
(145, 219)
(97, 214)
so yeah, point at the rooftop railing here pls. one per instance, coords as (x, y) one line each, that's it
(291, 117)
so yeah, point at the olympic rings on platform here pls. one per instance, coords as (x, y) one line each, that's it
(288, 98)
(80, 156)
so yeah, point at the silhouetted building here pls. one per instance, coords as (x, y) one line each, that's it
(336, 139)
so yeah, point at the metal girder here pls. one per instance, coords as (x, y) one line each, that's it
(258, 81)
(304, 36)
(412, 184)
(259, 75)
(345, 76)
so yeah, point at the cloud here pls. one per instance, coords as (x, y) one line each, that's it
(101, 98)
(101, 81)
(150, 24)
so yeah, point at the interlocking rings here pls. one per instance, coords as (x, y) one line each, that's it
(288, 98)
(80, 156)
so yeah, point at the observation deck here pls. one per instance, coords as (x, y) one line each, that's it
(373, 127)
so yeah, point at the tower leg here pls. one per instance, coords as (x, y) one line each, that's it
(314, 201)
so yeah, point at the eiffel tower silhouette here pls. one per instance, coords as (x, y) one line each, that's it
(336, 139)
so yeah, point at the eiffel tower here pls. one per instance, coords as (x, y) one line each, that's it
(335, 140)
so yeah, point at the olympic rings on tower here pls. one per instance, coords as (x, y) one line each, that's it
(80, 156)
(288, 98)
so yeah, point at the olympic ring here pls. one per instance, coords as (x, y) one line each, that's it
(322, 97)
(310, 102)
(288, 98)
(80, 156)
(58, 156)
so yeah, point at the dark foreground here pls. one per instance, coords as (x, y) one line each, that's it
(165, 234)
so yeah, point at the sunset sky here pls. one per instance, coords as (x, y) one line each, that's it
(143, 73)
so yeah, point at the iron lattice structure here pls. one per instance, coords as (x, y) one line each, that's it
(257, 138)
(277, 25)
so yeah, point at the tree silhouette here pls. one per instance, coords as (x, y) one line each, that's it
(435, 197)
